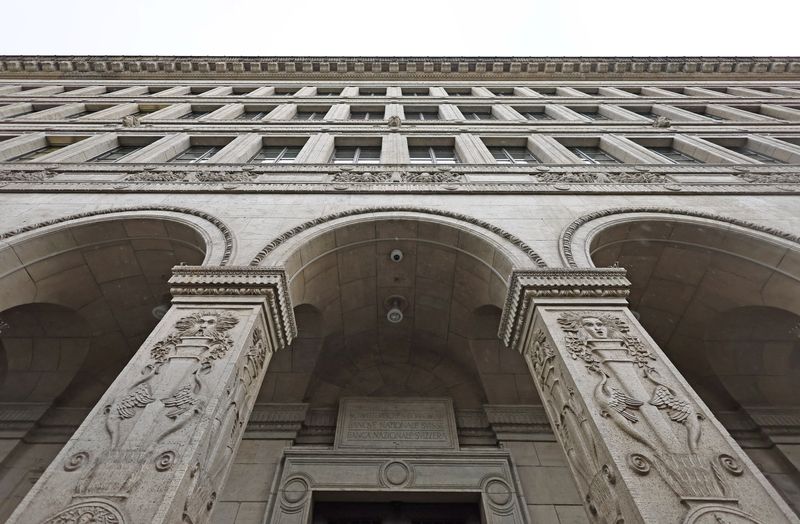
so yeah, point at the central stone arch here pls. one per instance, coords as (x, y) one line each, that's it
(447, 276)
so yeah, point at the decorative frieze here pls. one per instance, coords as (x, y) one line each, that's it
(410, 67)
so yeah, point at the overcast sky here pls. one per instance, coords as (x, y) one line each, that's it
(402, 27)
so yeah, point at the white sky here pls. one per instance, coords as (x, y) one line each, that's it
(401, 27)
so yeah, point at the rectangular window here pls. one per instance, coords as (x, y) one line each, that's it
(513, 155)
(371, 91)
(421, 115)
(502, 92)
(755, 155)
(196, 155)
(73, 116)
(591, 115)
(675, 156)
(366, 115)
(415, 91)
(309, 115)
(328, 92)
(276, 155)
(356, 155)
(536, 115)
(478, 115)
(458, 91)
(36, 153)
(191, 115)
(593, 155)
(252, 115)
(115, 155)
(433, 155)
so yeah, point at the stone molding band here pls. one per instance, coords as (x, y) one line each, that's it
(220, 225)
(565, 240)
(607, 282)
(525, 248)
(393, 67)
(210, 281)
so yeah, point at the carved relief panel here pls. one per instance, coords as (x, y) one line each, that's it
(640, 443)
(159, 445)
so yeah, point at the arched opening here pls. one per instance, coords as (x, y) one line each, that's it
(76, 301)
(449, 285)
(724, 304)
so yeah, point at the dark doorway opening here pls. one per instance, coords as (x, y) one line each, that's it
(395, 513)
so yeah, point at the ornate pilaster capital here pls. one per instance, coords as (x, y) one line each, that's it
(579, 285)
(240, 281)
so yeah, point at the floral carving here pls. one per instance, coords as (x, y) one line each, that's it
(223, 176)
(434, 177)
(157, 176)
(94, 512)
(627, 379)
(771, 178)
(366, 176)
(26, 176)
(568, 178)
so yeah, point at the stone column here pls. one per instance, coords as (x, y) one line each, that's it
(471, 150)
(159, 445)
(394, 149)
(114, 112)
(84, 91)
(239, 150)
(18, 108)
(641, 444)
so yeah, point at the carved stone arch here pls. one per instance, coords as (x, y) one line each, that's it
(575, 240)
(514, 245)
(218, 237)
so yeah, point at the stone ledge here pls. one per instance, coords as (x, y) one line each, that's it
(610, 283)
(396, 67)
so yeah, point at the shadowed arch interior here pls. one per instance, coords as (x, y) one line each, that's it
(452, 284)
(724, 304)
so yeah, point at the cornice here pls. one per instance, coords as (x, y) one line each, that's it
(219, 281)
(562, 283)
(244, 67)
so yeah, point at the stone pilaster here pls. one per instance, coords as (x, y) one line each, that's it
(226, 112)
(85, 91)
(83, 150)
(338, 112)
(282, 112)
(217, 91)
(15, 109)
(318, 149)
(162, 150)
(170, 112)
(114, 112)
(394, 149)
(641, 444)
(239, 150)
(262, 91)
(55, 113)
(471, 150)
(159, 445)
(130, 91)
(19, 145)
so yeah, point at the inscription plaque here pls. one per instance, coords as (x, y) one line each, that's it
(396, 423)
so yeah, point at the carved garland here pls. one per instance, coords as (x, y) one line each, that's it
(402, 209)
(225, 230)
(565, 241)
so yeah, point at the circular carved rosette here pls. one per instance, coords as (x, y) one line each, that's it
(730, 464)
(165, 461)
(498, 495)
(76, 461)
(395, 474)
(639, 463)
(295, 491)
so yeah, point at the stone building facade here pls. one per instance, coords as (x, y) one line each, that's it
(451, 290)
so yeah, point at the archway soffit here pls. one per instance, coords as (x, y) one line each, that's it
(514, 240)
(565, 241)
(224, 229)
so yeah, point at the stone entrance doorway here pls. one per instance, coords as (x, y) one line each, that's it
(395, 513)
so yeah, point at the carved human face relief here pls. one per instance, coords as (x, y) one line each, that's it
(594, 327)
(206, 324)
